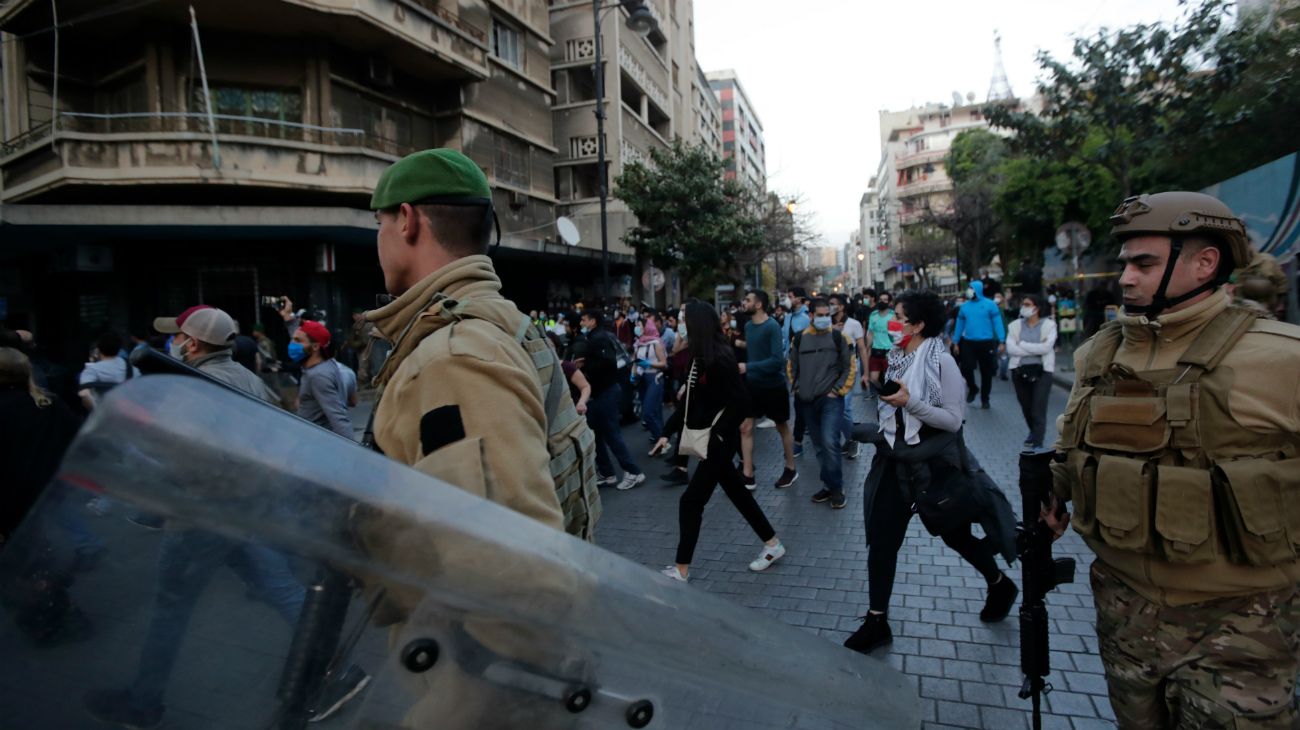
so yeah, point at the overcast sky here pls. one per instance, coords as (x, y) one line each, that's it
(818, 72)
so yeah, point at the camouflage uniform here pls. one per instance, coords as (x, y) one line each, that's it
(1225, 663)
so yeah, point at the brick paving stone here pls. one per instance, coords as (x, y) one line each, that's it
(821, 584)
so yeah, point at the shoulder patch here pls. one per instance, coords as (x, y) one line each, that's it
(440, 427)
(1273, 327)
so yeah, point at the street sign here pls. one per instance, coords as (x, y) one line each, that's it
(1074, 234)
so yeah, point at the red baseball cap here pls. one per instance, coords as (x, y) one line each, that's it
(316, 331)
(172, 325)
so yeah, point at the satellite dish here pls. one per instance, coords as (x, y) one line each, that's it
(568, 232)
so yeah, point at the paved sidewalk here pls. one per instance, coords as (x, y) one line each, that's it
(967, 672)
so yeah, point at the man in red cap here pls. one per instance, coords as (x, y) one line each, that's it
(322, 395)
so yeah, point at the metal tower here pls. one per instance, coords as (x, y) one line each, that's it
(999, 88)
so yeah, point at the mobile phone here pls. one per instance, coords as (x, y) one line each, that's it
(889, 388)
(273, 302)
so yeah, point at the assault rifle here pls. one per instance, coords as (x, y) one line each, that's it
(1040, 573)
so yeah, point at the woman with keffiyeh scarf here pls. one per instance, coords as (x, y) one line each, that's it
(920, 426)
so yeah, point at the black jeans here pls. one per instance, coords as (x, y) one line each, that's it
(718, 469)
(984, 354)
(1033, 403)
(890, 516)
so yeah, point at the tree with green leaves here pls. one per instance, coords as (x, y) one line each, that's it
(689, 217)
(974, 162)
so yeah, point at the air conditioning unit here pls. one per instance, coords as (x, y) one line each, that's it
(379, 72)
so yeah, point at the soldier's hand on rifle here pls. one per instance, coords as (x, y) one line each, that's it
(1055, 517)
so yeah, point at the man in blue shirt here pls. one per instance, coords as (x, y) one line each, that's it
(978, 339)
(795, 302)
(764, 374)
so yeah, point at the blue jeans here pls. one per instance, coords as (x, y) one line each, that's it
(825, 418)
(186, 563)
(847, 431)
(603, 417)
(651, 387)
(67, 514)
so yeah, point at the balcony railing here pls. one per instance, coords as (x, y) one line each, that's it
(924, 187)
(228, 125)
(920, 158)
(452, 19)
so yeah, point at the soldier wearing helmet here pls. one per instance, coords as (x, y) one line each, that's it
(1180, 450)
(1261, 285)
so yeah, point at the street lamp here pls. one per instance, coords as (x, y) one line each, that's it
(640, 21)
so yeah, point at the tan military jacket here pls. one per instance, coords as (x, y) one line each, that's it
(1264, 398)
(461, 401)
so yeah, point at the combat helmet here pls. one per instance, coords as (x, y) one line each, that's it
(1179, 215)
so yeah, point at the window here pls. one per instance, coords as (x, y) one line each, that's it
(386, 125)
(273, 105)
(506, 45)
(510, 160)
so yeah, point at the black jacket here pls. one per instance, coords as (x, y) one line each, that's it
(600, 362)
(717, 387)
(32, 442)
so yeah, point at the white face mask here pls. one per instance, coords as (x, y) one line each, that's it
(785, 302)
(835, 308)
(681, 329)
(1027, 312)
(177, 348)
(732, 324)
(970, 293)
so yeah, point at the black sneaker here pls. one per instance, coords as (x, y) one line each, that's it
(838, 501)
(873, 633)
(850, 450)
(750, 484)
(339, 692)
(115, 707)
(822, 496)
(677, 476)
(1002, 596)
(971, 393)
(788, 477)
(985, 405)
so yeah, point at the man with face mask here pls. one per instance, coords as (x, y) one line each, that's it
(821, 369)
(322, 393)
(1180, 449)
(978, 339)
(796, 321)
(879, 341)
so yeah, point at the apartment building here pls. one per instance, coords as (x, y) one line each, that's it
(743, 148)
(154, 156)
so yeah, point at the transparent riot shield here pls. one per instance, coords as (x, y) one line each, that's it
(261, 571)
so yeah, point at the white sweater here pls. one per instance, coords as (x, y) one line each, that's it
(1045, 349)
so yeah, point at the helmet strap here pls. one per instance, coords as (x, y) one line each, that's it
(1160, 302)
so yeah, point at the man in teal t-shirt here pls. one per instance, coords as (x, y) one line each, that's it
(764, 372)
(878, 340)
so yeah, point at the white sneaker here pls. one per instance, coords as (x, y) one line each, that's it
(630, 480)
(672, 572)
(767, 557)
(765, 423)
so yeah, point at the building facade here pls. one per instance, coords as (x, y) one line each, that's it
(228, 155)
(911, 184)
(653, 95)
(743, 149)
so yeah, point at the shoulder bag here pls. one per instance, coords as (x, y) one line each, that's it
(695, 441)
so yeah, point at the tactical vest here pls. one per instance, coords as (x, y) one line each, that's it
(1156, 464)
(569, 441)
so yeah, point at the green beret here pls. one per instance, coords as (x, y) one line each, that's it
(431, 174)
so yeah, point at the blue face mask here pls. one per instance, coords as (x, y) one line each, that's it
(822, 323)
(296, 352)
(585, 330)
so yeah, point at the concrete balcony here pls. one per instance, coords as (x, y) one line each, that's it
(924, 187)
(920, 158)
(94, 152)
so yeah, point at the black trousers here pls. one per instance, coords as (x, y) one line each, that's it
(885, 533)
(984, 354)
(1033, 403)
(718, 469)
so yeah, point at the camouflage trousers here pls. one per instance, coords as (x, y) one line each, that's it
(1226, 663)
